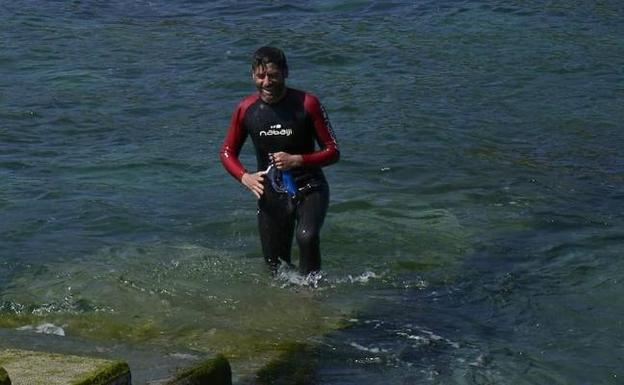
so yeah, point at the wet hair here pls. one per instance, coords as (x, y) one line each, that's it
(266, 55)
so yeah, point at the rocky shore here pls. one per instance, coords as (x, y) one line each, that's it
(295, 365)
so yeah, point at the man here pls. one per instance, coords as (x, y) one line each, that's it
(285, 125)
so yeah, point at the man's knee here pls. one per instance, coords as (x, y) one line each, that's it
(306, 238)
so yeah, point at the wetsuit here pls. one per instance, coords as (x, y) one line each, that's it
(295, 124)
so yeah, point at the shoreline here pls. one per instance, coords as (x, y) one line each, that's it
(29, 363)
(17, 367)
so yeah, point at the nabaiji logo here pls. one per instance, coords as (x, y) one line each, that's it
(276, 129)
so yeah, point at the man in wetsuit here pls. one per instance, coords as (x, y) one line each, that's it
(285, 125)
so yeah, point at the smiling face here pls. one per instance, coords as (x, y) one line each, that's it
(270, 81)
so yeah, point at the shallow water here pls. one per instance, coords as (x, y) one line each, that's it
(476, 217)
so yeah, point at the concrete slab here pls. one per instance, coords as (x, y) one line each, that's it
(26, 367)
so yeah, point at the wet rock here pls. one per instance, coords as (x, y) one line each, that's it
(4, 377)
(216, 371)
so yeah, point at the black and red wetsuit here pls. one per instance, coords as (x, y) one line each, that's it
(295, 124)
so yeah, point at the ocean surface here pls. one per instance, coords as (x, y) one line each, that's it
(476, 228)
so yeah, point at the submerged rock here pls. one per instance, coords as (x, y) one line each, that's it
(215, 371)
(296, 365)
(4, 377)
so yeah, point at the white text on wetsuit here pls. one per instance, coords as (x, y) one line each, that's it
(276, 129)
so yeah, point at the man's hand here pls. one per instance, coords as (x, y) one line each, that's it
(254, 182)
(286, 161)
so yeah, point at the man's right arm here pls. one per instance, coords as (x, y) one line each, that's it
(230, 150)
(232, 144)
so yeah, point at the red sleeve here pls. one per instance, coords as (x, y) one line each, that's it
(234, 140)
(328, 152)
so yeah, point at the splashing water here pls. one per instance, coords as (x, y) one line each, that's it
(286, 276)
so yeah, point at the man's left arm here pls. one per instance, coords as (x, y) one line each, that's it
(329, 152)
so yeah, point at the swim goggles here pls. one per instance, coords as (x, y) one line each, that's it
(281, 181)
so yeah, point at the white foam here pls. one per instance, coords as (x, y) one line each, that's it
(291, 277)
(479, 362)
(419, 339)
(45, 328)
(373, 350)
(427, 338)
(183, 356)
(362, 278)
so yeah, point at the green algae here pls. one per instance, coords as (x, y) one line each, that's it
(240, 338)
(295, 365)
(246, 330)
(91, 325)
(102, 376)
(249, 341)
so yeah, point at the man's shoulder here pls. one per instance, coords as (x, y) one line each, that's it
(248, 100)
(304, 97)
(299, 93)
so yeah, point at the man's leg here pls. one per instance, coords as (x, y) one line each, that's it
(311, 212)
(276, 227)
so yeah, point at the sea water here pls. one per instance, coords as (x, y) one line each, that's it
(475, 230)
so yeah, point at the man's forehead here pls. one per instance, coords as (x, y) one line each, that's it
(268, 67)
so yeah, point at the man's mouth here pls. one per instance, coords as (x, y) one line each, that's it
(271, 94)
